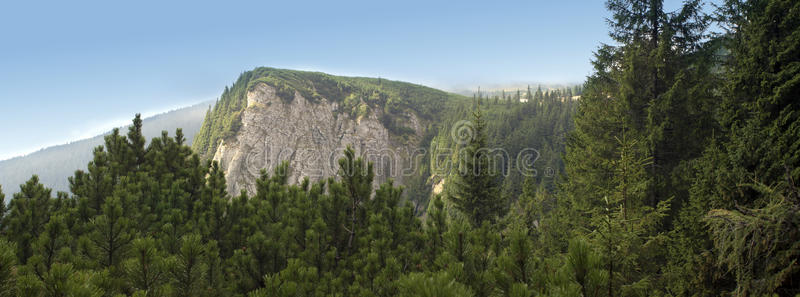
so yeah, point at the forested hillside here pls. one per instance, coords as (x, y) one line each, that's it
(534, 118)
(679, 178)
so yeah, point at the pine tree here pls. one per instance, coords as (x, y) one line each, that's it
(52, 246)
(474, 191)
(28, 214)
(145, 271)
(136, 142)
(439, 284)
(436, 228)
(93, 187)
(517, 265)
(2, 209)
(297, 279)
(214, 281)
(584, 267)
(8, 262)
(253, 261)
(214, 204)
(110, 235)
(64, 280)
(356, 178)
(186, 269)
(529, 95)
(120, 157)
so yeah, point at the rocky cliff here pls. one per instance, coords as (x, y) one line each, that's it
(310, 136)
(308, 118)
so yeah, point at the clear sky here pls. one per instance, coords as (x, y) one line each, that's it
(73, 69)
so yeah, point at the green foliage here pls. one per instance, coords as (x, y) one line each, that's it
(297, 279)
(760, 245)
(663, 191)
(110, 235)
(27, 215)
(146, 270)
(186, 268)
(746, 178)
(584, 268)
(475, 192)
(432, 285)
(8, 261)
(64, 280)
(2, 208)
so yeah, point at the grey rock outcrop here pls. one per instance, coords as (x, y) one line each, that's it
(311, 137)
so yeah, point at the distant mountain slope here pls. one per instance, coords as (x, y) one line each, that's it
(54, 164)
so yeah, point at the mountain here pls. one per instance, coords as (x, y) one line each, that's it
(409, 132)
(308, 118)
(55, 164)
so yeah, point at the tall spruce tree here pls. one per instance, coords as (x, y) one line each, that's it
(651, 89)
(749, 176)
(474, 190)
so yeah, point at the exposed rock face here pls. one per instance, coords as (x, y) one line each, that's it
(311, 136)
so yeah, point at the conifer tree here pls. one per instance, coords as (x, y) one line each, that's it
(214, 204)
(136, 142)
(8, 262)
(65, 280)
(120, 157)
(28, 214)
(516, 266)
(748, 178)
(52, 246)
(436, 227)
(439, 284)
(474, 191)
(110, 235)
(2, 208)
(585, 269)
(145, 271)
(214, 281)
(94, 186)
(356, 178)
(187, 270)
(296, 280)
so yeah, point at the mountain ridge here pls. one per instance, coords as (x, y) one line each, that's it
(76, 154)
(307, 118)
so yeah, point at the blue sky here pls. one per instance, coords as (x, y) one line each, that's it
(73, 69)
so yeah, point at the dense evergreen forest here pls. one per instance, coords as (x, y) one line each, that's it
(678, 178)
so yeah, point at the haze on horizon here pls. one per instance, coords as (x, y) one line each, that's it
(72, 70)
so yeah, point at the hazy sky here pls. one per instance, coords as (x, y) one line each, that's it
(73, 69)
